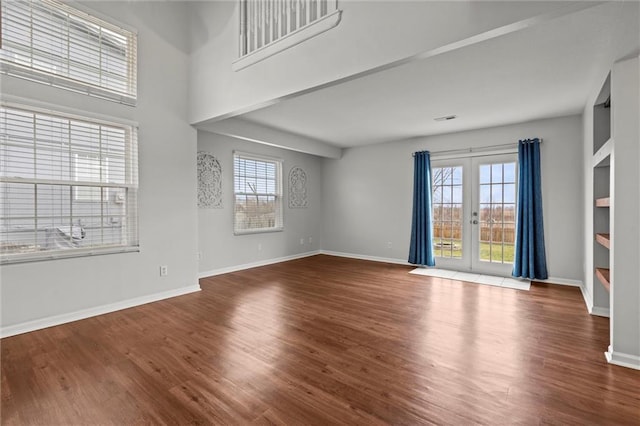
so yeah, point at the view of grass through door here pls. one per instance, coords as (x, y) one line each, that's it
(474, 212)
(497, 212)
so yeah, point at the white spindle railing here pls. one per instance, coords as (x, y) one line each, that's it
(263, 22)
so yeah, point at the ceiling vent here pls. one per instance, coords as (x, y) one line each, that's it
(446, 118)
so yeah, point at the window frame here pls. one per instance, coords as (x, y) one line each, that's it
(14, 68)
(279, 217)
(131, 238)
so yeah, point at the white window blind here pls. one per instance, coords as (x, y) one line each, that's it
(258, 193)
(53, 43)
(68, 185)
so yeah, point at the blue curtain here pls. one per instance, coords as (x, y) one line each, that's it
(421, 248)
(530, 260)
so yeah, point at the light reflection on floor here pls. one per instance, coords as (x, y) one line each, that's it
(263, 332)
(463, 344)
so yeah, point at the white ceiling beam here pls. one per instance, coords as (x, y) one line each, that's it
(253, 132)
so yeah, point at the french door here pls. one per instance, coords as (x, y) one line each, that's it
(474, 213)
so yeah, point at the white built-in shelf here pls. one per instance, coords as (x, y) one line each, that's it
(603, 276)
(602, 157)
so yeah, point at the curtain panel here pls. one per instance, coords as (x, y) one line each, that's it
(421, 248)
(530, 258)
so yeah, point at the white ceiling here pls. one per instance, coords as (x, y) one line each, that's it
(544, 71)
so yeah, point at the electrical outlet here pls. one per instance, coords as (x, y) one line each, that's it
(301, 241)
(389, 245)
(164, 271)
(310, 240)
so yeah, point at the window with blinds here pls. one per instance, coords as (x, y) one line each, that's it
(68, 185)
(257, 182)
(53, 43)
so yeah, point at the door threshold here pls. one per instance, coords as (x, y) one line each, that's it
(476, 278)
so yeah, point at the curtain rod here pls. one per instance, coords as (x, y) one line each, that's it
(480, 149)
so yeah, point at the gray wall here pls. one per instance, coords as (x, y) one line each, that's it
(367, 195)
(367, 36)
(220, 248)
(167, 172)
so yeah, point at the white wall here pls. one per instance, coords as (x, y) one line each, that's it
(371, 34)
(623, 44)
(595, 294)
(625, 212)
(220, 249)
(367, 195)
(167, 192)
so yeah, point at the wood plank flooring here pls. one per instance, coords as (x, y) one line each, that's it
(326, 340)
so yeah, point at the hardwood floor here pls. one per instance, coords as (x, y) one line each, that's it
(326, 340)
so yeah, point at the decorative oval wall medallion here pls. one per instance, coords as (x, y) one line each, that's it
(209, 181)
(297, 188)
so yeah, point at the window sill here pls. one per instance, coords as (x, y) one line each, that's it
(258, 231)
(60, 81)
(313, 29)
(63, 254)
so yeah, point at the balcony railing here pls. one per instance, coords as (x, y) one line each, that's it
(265, 23)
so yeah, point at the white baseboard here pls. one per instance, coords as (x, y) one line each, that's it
(600, 312)
(366, 257)
(39, 324)
(228, 269)
(561, 281)
(622, 359)
(593, 310)
(588, 299)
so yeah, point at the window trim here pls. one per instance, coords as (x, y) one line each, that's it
(279, 192)
(68, 83)
(74, 114)
(13, 101)
(66, 254)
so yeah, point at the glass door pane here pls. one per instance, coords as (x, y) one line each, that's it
(447, 211)
(496, 213)
(451, 202)
(474, 213)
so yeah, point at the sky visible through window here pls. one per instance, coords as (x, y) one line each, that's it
(495, 175)
(255, 177)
